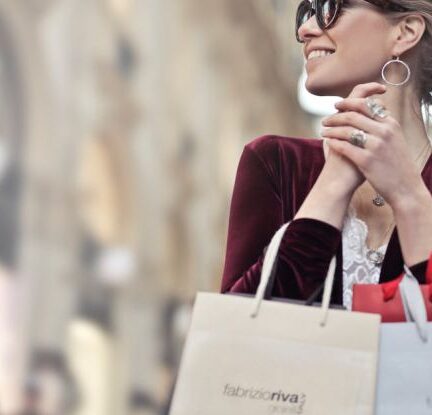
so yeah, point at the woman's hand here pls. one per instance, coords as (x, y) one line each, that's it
(339, 168)
(385, 161)
(331, 194)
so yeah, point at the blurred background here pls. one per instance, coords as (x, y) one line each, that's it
(121, 126)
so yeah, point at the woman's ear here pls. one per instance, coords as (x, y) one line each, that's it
(409, 32)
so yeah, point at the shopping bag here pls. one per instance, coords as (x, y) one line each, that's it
(251, 356)
(405, 363)
(385, 299)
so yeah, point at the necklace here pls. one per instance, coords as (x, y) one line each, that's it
(375, 256)
(378, 200)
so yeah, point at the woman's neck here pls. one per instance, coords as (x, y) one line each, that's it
(405, 108)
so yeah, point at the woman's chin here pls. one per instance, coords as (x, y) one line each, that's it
(322, 90)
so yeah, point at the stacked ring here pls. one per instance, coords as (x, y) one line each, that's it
(358, 138)
(375, 108)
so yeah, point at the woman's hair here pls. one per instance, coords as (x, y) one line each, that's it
(423, 68)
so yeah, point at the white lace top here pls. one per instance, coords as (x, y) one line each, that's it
(357, 269)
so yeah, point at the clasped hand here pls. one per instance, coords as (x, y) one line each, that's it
(385, 161)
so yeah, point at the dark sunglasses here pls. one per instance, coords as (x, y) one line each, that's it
(328, 11)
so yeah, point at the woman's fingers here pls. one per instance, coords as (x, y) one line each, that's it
(359, 105)
(344, 133)
(350, 118)
(354, 113)
(356, 155)
(366, 90)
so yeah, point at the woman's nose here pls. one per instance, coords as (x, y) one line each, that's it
(309, 28)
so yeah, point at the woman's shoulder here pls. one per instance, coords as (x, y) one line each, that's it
(294, 149)
(271, 140)
(288, 165)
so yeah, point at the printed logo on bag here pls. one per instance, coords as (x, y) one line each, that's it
(281, 402)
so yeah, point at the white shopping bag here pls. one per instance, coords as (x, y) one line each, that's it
(249, 356)
(405, 365)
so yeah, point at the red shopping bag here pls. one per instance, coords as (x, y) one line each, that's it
(385, 299)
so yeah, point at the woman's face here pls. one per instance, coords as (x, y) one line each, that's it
(362, 43)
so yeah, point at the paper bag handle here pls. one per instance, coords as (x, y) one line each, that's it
(413, 303)
(268, 264)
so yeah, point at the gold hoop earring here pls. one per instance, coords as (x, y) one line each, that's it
(402, 63)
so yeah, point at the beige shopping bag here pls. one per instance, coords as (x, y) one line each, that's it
(250, 356)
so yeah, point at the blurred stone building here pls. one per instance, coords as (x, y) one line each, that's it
(121, 126)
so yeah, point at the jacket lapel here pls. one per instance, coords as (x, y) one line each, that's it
(393, 261)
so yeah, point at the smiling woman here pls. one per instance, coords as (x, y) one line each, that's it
(362, 191)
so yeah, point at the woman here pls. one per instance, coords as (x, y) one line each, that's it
(363, 192)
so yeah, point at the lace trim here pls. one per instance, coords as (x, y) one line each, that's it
(357, 269)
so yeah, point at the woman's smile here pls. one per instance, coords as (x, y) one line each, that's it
(317, 59)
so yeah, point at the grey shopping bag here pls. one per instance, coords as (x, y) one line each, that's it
(250, 356)
(405, 364)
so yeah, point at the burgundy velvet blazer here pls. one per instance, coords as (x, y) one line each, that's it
(274, 176)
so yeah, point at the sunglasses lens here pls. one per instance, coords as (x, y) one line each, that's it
(327, 11)
(304, 12)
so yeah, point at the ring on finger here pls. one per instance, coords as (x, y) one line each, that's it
(375, 108)
(358, 138)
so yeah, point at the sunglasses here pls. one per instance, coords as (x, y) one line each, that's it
(328, 11)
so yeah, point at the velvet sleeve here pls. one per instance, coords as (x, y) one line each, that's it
(256, 213)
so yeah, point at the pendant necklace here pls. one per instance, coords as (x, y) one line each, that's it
(375, 256)
(378, 200)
